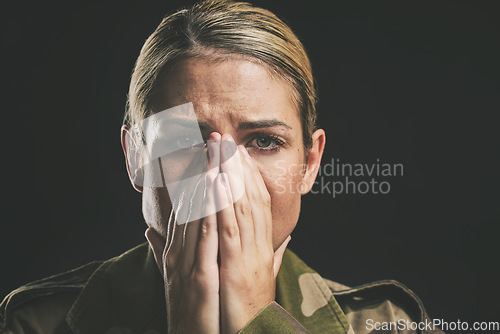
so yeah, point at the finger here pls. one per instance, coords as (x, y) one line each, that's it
(184, 192)
(278, 256)
(213, 150)
(192, 229)
(194, 199)
(174, 249)
(260, 201)
(229, 235)
(231, 165)
(157, 244)
(244, 218)
(170, 229)
(190, 207)
(185, 199)
(208, 245)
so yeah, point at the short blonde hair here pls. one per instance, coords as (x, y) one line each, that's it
(223, 27)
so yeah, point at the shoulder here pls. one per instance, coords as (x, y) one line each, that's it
(41, 306)
(322, 305)
(85, 299)
(380, 303)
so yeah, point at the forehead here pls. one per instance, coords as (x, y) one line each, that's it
(235, 88)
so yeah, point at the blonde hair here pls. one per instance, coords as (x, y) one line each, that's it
(220, 27)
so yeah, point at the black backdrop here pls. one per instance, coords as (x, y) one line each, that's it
(406, 82)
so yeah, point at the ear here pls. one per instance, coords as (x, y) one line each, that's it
(132, 157)
(313, 161)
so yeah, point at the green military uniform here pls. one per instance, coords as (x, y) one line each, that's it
(125, 295)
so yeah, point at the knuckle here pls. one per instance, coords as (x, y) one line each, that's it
(202, 282)
(205, 228)
(231, 231)
(255, 197)
(198, 278)
(244, 207)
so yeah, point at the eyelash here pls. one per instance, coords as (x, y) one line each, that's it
(278, 143)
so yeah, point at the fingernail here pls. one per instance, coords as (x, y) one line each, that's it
(215, 135)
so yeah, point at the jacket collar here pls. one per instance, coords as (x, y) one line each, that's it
(126, 295)
(306, 296)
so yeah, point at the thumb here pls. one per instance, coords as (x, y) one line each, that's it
(278, 255)
(157, 244)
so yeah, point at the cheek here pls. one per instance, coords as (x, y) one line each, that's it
(283, 181)
(156, 208)
(173, 177)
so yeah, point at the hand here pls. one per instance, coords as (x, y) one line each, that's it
(188, 262)
(196, 286)
(248, 263)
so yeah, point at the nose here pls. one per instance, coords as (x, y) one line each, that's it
(224, 127)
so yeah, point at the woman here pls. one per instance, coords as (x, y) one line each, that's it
(221, 98)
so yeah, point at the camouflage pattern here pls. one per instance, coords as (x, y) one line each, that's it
(124, 295)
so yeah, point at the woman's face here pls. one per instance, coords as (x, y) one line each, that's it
(240, 98)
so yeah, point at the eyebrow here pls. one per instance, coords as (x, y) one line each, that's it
(265, 123)
(189, 123)
(248, 125)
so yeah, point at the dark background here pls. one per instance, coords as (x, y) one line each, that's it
(414, 82)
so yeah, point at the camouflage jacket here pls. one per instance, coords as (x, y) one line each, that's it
(125, 295)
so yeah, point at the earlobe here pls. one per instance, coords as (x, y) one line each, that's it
(313, 161)
(132, 158)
